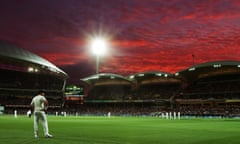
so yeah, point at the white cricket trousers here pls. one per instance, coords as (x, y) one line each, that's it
(40, 116)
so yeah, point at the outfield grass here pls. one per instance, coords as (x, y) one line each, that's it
(121, 130)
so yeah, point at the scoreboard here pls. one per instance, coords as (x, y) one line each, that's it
(74, 91)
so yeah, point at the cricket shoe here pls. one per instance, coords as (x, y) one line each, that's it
(48, 136)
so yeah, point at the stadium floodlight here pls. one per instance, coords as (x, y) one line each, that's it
(99, 48)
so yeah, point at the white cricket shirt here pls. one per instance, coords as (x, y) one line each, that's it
(38, 102)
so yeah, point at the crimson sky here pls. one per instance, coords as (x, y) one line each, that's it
(144, 35)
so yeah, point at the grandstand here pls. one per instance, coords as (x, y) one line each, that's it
(137, 94)
(155, 85)
(208, 89)
(23, 74)
(106, 91)
(110, 86)
(212, 89)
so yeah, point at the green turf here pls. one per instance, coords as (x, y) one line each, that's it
(121, 130)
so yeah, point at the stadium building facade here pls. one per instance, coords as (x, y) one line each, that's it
(207, 89)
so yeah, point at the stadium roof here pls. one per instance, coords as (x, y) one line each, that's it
(13, 52)
(149, 73)
(106, 79)
(154, 77)
(209, 69)
(190, 74)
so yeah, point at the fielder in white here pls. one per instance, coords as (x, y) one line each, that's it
(39, 104)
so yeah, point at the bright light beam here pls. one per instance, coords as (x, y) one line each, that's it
(99, 48)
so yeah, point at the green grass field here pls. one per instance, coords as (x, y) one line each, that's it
(121, 130)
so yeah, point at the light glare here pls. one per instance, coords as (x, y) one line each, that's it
(99, 46)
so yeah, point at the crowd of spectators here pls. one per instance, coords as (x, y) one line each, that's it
(22, 103)
(110, 92)
(22, 80)
(116, 110)
(157, 91)
(227, 110)
(143, 92)
(220, 87)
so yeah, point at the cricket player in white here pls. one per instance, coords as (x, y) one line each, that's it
(39, 104)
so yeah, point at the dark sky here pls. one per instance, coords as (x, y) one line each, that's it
(144, 35)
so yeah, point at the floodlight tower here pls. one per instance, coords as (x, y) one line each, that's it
(98, 46)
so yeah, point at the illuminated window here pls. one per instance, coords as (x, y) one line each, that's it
(30, 69)
(217, 65)
(159, 74)
(192, 69)
(140, 75)
(132, 77)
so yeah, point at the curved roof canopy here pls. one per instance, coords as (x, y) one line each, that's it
(106, 79)
(209, 69)
(151, 77)
(9, 51)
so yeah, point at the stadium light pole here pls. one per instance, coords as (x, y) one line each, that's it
(98, 46)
